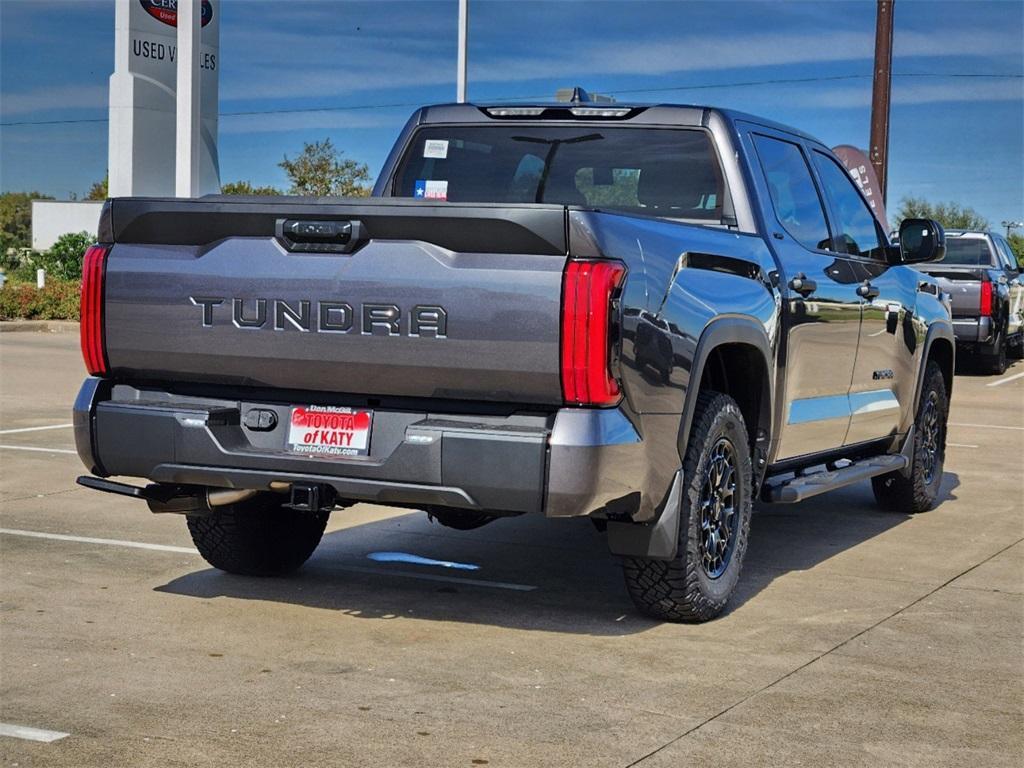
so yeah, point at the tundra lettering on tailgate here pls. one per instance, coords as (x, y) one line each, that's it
(326, 316)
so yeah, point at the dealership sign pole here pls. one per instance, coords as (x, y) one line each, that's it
(143, 99)
(186, 171)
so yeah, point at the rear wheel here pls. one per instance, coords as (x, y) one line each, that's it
(996, 362)
(257, 537)
(714, 522)
(918, 492)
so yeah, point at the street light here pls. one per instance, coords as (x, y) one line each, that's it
(463, 59)
(1012, 225)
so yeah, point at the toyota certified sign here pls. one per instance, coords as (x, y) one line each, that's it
(167, 11)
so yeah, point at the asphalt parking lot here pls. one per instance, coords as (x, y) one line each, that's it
(859, 637)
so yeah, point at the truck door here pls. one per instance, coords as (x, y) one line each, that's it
(1015, 286)
(885, 370)
(821, 316)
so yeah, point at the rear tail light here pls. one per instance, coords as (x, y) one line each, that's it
(93, 347)
(985, 305)
(587, 332)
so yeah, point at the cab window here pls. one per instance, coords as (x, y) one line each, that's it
(856, 229)
(666, 172)
(794, 196)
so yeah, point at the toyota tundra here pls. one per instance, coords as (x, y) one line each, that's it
(648, 315)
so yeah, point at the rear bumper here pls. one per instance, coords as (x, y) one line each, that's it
(972, 330)
(565, 464)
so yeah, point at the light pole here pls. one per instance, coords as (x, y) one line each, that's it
(1012, 225)
(880, 89)
(460, 95)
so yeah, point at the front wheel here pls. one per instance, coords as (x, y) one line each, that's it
(257, 537)
(714, 521)
(1016, 349)
(918, 492)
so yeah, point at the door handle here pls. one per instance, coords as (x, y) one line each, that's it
(867, 291)
(803, 285)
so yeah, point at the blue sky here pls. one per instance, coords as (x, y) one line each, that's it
(957, 131)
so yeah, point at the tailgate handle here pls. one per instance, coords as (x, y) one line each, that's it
(320, 236)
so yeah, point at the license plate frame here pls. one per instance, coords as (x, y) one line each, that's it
(329, 432)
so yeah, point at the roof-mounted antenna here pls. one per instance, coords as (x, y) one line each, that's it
(578, 95)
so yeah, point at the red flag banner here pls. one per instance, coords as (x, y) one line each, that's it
(859, 168)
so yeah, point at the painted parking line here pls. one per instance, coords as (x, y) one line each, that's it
(31, 734)
(36, 450)
(34, 429)
(979, 426)
(352, 568)
(1007, 380)
(961, 445)
(90, 540)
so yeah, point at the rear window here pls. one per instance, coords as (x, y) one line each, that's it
(659, 172)
(968, 251)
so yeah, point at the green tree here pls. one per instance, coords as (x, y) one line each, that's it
(949, 215)
(246, 188)
(320, 170)
(1017, 244)
(16, 224)
(64, 259)
(100, 190)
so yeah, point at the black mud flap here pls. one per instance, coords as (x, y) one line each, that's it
(658, 540)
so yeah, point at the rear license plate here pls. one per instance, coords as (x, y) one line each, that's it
(324, 430)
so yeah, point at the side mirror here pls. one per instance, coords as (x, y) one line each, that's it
(921, 240)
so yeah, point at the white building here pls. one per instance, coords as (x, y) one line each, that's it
(53, 218)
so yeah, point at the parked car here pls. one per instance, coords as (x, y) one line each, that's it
(980, 274)
(646, 315)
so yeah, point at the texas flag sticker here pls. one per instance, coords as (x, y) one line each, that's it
(430, 189)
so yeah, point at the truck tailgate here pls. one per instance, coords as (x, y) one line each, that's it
(188, 300)
(963, 284)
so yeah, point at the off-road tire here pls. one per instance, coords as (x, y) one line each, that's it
(257, 537)
(681, 589)
(895, 492)
(1016, 349)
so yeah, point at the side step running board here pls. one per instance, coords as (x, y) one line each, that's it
(806, 486)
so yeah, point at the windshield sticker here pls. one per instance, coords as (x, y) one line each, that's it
(436, 148)
(430, 189)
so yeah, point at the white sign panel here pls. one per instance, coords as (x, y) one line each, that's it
(142, 97)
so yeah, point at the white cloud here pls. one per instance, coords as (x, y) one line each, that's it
(301, 121)
(912, 91)
(341, 66)
(56, 97)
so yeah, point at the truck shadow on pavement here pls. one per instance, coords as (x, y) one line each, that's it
(577, 585)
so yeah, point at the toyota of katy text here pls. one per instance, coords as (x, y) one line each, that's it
(648, 315)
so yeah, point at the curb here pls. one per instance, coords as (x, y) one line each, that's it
(39, 326)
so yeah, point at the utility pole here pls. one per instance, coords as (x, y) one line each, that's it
(880, 89)
(186, 140)
(1012, 225)
(460, 95)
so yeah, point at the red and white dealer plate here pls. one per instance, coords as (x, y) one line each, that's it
(325, 430)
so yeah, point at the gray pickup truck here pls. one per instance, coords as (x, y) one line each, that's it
(986, 287)
(645, 315)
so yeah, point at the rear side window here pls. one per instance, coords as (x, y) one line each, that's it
(793, 193)
(661, 172)
(1006, 252)
(968, 251)
(857, 230)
